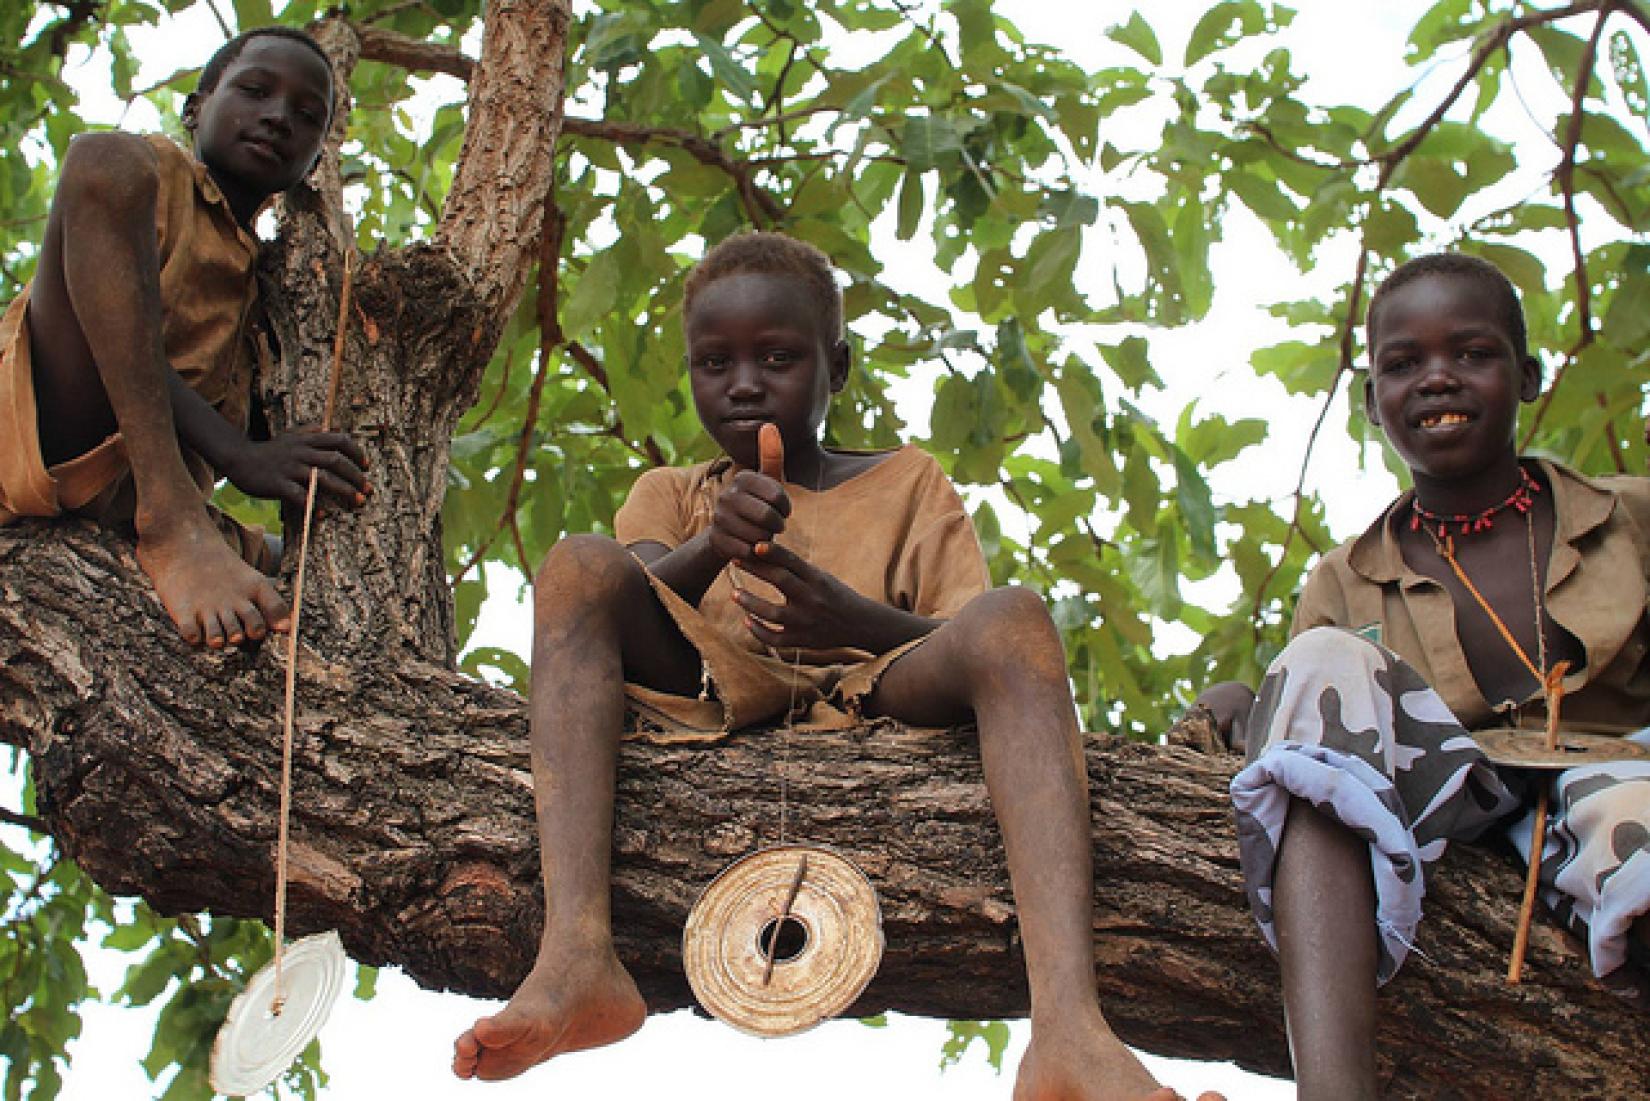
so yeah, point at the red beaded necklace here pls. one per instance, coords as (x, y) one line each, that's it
(1521, 499)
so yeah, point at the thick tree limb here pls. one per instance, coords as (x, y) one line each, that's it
(414, 838)
(490, 224)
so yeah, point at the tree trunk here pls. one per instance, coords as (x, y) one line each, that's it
(413, 837)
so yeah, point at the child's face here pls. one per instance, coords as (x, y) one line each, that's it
(260, 130)
(1445, 380)
(755, 354)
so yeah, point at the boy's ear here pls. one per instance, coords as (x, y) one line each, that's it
(191, 111)
(1371, 413)
(842, 361)
(1529, 383)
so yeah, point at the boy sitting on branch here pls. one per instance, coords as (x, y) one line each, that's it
(878, 604)
(1450, 614)
(126, 366)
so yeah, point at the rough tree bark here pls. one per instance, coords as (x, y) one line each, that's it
(156, 765)
(413, 834)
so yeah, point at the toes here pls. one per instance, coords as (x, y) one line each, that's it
(189, 627)
(273, 610)
(251, 620)
(499, 1031)
(212, 630)
(466, 1051)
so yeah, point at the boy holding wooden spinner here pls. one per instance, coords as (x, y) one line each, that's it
(884, 592)
(1455, 607)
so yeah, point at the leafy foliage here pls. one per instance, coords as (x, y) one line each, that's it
(936, 136)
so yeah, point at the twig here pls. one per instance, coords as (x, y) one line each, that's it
(212, 6)
(33, 823)
(503, 386)
(1564, 176)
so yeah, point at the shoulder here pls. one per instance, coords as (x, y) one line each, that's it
(916, 466)
(672, 480)
(1601, 502)
(1323, 596)
(111, 166)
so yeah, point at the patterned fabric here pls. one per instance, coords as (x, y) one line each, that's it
(1347, 726)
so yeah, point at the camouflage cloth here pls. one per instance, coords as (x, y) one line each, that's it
(1345, 725)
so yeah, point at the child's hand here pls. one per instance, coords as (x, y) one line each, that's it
(819, 612)
(278, 469)
(751, 510)
(1230, 701)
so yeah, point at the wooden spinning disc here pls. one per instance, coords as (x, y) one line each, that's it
(817, 913)
(1528, 749)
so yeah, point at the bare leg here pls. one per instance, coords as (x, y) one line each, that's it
(95, 327)
(595, 620)
(1324, 898)
(1000, 662)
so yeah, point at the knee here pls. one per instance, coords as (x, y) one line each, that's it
(1331, 647)
(1010, 630)
(586, 569)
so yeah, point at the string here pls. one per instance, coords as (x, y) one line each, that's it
(285, 815)
(1445, 546)
(1551, 682)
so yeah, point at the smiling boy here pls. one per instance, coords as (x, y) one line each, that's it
(1488, 573)
(878, 603)
(125, 367)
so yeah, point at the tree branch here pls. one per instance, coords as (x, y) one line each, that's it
(27, 821)
(414, 838)
(1564, 176)
(413, 54)
(491, 222)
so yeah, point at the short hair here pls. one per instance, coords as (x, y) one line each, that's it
(1464, 266)
(765, 253)
(229, 51)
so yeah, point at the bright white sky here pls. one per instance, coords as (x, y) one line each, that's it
(398, 1044)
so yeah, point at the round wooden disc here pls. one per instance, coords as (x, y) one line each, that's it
(1528, 749)
(822, 962)
(256, 1044)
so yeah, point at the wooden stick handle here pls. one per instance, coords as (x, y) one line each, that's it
(1526, 911)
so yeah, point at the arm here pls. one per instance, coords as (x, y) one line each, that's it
(820, 612)
(751, 510)
(1230, 702)
(277, 469)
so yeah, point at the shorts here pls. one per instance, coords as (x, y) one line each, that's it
(1345, 725)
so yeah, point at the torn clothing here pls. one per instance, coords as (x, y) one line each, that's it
(897, 533)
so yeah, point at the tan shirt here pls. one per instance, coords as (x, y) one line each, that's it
(897, 534)
(208, 289)
(1598, 586)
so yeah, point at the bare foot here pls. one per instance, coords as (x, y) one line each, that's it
(1086, 1062)
(211, 594)
(561, 1006)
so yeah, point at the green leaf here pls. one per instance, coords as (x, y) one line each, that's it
(1220, 26)
(1137, 35)
(925, 140)
(912, 202)
(1628, 70)
(734, 76)
(593, 295)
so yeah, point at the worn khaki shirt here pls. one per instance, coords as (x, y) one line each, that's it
(1598, 585)
(208, 290)
(898, 534)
